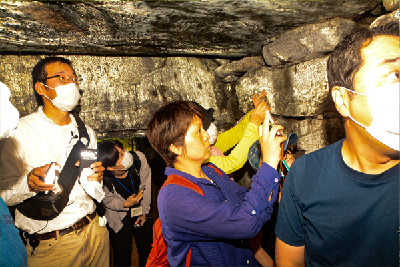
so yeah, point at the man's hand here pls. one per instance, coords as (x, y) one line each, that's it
(271, 143)
(98, 172)
(133, 199)
(141, 219)
(257, 115)
(256, 99)
(36, 179)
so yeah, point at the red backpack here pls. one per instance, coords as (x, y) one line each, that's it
(159, 254)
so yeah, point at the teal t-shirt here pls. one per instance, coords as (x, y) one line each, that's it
(342, 216)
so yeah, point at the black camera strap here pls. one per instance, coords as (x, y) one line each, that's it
(47, 206)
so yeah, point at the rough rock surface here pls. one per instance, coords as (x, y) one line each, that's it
(300, 90)
(318, 133)
(120, 94)
(121, 91)
(307, 42)
(157, 28)
(391, 5)
(239, 67)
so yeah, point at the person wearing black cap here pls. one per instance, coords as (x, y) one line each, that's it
(243, 135)
(265, 243)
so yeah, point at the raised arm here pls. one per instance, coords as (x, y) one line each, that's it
(238, 156)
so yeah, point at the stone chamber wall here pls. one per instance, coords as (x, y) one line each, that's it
(121, 93)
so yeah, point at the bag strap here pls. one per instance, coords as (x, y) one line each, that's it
(178, 180)
(82, 130)
(41, 208)
(69, 174)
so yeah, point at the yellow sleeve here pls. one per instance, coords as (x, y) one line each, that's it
(238, 156)
(230, 138)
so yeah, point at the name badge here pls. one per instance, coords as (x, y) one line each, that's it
(136, 212)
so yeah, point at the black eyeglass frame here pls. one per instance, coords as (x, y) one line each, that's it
(75, 80)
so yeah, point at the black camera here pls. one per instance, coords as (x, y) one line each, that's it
(88, 156)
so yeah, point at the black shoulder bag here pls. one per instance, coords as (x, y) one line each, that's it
(46, 207)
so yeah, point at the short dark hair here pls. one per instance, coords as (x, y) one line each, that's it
(108, 153)
(39, 72)
(345, 60)
(169, 126)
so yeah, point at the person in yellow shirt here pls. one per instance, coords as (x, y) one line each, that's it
(243, 135)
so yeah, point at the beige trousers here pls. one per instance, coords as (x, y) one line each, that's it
(88, 248)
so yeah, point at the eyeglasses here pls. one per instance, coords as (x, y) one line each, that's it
(65, 78)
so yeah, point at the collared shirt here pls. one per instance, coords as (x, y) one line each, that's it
(36, 142)
(217, 225)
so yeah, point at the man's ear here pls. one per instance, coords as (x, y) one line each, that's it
(341, 99)
(176, 149)
(40, 88)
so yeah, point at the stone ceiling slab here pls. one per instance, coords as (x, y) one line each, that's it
(208, 28)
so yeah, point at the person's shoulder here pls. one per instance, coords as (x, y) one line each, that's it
(28, 119)
(316, 161)
(28, 122)
(322, 153)
(139, 153)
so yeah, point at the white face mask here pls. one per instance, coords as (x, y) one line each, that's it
(213, 133)
(67, 96)
(127, 161)
(9, 114)
(384, 105)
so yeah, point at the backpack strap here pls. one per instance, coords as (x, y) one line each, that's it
(47, 207)
(178, 180)
(215, 169)
(83, 134)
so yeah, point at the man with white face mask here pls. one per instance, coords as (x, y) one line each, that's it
(340, 204)
(73, 237)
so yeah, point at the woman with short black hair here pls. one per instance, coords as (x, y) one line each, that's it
(126, 212)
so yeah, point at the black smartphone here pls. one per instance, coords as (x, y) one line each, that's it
(88, 156)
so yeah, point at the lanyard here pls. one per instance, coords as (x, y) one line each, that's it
(124, 186)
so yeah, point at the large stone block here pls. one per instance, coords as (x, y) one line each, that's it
(318, 133)
(120, 94)
(307, 42)
(239, 67)
(159, 28)
(299, 91)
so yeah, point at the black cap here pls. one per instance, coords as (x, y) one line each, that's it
(208, 116)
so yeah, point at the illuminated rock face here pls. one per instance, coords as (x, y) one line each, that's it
(135, 56)
(214, 28)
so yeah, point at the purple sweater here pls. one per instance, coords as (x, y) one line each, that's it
(218, 224)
